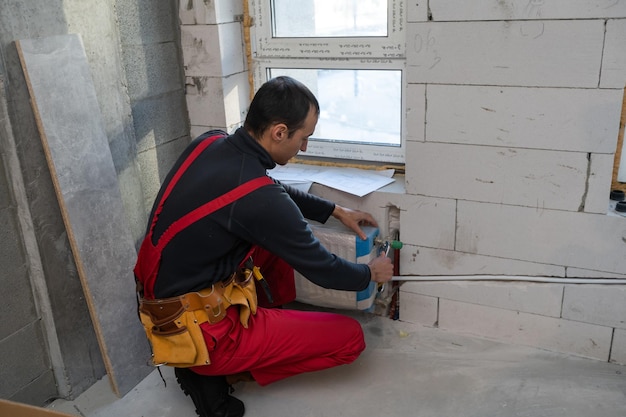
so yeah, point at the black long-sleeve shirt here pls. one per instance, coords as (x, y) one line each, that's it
(272, 217)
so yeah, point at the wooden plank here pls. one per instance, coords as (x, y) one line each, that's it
(14, 409)
(72, 132)
(619, 160)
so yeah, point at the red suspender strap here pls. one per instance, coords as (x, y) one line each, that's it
(149, 257)
(181, 170)
(210, 207)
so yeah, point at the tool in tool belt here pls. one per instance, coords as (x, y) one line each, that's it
(249, 264)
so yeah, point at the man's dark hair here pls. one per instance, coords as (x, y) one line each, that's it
(280, 100)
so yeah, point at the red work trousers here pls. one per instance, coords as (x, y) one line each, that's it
(280, 343)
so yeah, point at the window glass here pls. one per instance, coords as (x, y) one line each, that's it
(329, 18)
(356, 106)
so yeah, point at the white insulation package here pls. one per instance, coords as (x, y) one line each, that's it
(344, 243)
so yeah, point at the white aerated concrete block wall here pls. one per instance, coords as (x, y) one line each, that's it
(513, 118)
(217, 87)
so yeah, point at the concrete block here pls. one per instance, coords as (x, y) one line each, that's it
(417, 11)
(202, 12)
(15, 278)
(415, 112)
(580, 120)
(26, 348)
(212, 50)
(145, 21)
(549, 333)
(157, 121)
(521, 53)
(599, 183)
(542, 299)
(418, 309)
(614, 59)
(197, 130)
(585, 273)
(231, 46)
(201, 50)
(524, 10)
(422, 261)
(155, 163)
(196, 12)
(204, 101)
(227, 112)
(597, 304)
(582, 240)
(38, 391)
(618, 352)
(236, 91)
(429, 222)
(149, 69)
(7, 196)
(525, 177)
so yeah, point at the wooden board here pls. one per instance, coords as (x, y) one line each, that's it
(615, 184)
(70, 124)
(13, 409)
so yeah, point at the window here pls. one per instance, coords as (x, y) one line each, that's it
(350, 53)
(310, 19)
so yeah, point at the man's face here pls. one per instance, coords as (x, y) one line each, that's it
(298, 140)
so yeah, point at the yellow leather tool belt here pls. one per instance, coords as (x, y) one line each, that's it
(172, 324)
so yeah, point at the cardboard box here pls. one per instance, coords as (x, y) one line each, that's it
(13, 409)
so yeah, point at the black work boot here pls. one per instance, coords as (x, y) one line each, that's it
(210, 394)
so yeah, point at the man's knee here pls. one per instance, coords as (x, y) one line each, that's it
(355, 340)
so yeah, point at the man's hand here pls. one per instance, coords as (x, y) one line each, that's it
(381, 269)
(353, 219)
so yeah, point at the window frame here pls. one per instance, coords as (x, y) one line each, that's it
(346, 53)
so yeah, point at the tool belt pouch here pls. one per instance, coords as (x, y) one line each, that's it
(172, 325)
(174, 333)
(242, 292)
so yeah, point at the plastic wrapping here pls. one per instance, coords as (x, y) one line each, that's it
(344, 243)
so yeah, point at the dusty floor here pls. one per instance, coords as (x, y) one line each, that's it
(406, 371)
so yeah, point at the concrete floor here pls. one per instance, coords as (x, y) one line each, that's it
(406, 371)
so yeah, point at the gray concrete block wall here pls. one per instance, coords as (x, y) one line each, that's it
(151, 57)
(21, 332)
(54, 324)
(27, 343)
(25, 364)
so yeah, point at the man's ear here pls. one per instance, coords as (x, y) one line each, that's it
(280, 132)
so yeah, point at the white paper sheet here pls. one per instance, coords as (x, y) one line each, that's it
(359, 182)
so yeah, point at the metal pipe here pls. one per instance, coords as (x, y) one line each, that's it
(557, 280)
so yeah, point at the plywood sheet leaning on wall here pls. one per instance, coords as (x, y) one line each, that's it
(79, 158)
